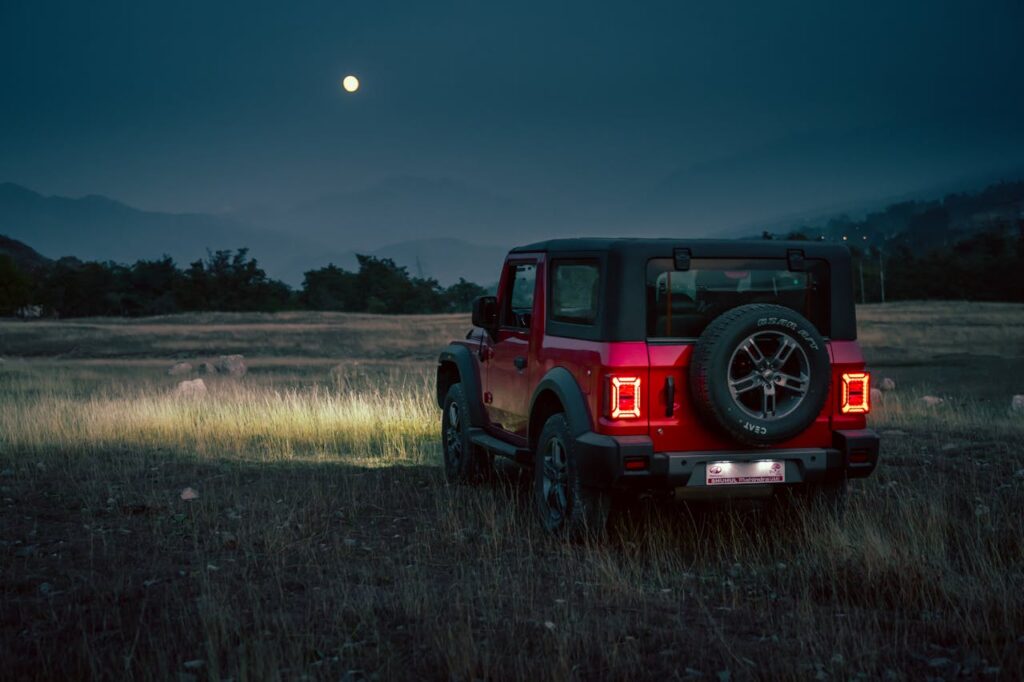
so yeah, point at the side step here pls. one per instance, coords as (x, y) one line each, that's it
(499, 447)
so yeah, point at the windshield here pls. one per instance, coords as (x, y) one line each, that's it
(681, 303)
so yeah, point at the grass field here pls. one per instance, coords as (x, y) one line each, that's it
(324, 543)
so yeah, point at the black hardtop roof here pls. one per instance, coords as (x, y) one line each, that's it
(699, 248)
(625, 259)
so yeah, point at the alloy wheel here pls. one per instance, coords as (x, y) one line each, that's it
(453, 437)
(769, 375)
(555, 480)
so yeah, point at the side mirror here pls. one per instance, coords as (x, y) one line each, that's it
(485, 313)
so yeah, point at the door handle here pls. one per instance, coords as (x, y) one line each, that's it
(670, 396)
(520, 363)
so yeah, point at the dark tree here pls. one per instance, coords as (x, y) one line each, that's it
(329, 288)
(154, 287)
(385, 287)
(231, 282)
(459, 296)
(15, 287)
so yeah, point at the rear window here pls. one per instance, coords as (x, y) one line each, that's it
(681, 303)
(574, 291)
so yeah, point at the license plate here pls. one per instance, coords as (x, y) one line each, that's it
(746, 473)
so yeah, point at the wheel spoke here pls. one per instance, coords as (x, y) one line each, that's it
(768, 402)
(755, 354)
(454, 442)
(555, 472)
(554, 497)
(552, 472)
(798, 385)
(453, 437)
(744, 384)
(785, 350)
(560, 499)
(557, 454)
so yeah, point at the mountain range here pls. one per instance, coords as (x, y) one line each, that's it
(446, 229)
(98, 228)
(24, 256)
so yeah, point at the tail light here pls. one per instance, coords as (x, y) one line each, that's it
(856, 393)
(624, 397)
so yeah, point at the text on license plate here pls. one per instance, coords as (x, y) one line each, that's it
(746, 473)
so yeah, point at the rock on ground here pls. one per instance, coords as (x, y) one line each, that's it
(932, 400)
(1017, 404)
(887, 384)
(195, 388)
(232, 365)
(180, 368)
(876, 397)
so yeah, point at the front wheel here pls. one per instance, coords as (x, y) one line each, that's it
(563, 504)
(464, 462)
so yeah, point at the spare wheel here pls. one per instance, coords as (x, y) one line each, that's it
(760, 374)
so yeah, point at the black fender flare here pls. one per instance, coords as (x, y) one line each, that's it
(469, 377)
(563, 384)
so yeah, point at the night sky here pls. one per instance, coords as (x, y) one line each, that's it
(215, 107)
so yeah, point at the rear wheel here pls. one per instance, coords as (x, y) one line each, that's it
(464, 462)
(563, 504)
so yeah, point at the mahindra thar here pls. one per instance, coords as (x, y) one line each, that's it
(698, 368)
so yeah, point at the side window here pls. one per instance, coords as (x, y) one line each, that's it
(519, 303)
(574, 291)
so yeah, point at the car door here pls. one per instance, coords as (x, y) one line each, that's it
(508, 371)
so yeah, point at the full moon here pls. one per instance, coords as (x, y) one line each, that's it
(350, 83)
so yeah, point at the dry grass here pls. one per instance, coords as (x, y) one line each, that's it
(325, 544)
(950, 327)
(293, 334)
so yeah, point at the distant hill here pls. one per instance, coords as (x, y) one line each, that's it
(98, 228)
(443, 259)
(806, 178)
(434, 227)
(924, 224)
(24, 256)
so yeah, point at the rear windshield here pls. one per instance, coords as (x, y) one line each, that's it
(681, 303)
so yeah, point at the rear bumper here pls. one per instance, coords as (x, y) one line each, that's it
(854, 454)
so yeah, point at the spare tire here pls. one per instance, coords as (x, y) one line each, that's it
(760, 374)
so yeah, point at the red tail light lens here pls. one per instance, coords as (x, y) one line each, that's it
(856, 393)
(624, 397)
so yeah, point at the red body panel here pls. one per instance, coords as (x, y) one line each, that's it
(590, 362)
(684, 431)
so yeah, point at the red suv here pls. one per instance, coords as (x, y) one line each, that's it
(708, 369)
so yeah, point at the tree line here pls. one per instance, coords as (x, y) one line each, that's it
(224, 281)
(983, 266)
(964, 246)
